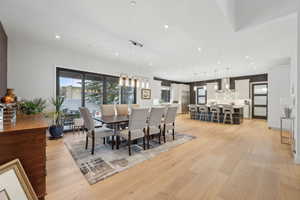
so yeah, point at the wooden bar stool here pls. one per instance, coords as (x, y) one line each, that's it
(228, 114)
(215, 113)
(203, 112)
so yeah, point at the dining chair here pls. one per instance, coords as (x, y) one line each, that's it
(107, 110)
(78, 125)
(215, 113)
(89, 125)
(122, 109)
(228, 113)
(169, 121)
(154, 123)
(136, 127)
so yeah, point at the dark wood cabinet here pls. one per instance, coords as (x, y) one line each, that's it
(26, 140)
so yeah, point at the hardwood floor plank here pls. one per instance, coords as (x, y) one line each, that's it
(224, 162)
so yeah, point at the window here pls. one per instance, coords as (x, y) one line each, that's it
(91, 90)
(165, 95)
(201, 95)
(70, 87)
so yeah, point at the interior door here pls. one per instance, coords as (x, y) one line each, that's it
(260, 100)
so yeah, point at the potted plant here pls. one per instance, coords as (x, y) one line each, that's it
(56, 130)
(31, 107)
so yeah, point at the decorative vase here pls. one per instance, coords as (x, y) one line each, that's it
(56, 131)
(9, 97)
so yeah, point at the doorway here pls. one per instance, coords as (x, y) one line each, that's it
(260, 100)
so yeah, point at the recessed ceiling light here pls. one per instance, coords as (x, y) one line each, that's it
(247, 57)
(199, 49)
(58, 37)
(166, 26)
(133, 3)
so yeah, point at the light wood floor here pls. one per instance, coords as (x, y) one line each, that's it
(225, 162)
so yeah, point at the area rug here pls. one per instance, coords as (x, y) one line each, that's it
(107, 162)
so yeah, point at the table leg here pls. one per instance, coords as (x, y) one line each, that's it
(281, 131)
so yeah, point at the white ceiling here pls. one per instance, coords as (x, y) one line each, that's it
(226, 31)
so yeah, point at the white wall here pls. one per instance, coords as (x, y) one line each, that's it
(278, 90)
(31, 69)
(295, 76)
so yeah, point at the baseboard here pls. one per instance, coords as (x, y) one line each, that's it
(278, 129)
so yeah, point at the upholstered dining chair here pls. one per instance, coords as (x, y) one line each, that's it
(169, 121)
(107, 110)
(136, 127)
(122, 109)
(89, 125)
(154, 123)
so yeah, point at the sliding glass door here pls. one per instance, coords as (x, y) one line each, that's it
(70, 87)
(91, 90)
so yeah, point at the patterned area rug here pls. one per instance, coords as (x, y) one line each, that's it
(107, 162)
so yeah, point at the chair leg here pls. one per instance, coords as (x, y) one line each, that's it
(93, 143)
(129, 144)
(86, 141)
(118, 141)
(112, 142)
(104, 140)
(159, 137)
(144, 143)
(164, 133)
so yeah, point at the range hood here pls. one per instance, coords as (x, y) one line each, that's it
(225, 86)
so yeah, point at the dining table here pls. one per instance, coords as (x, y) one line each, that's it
(114, 122)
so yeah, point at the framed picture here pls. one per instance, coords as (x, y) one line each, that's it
(14, 183)
(146, 94)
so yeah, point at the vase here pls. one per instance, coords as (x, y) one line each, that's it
(9, 97)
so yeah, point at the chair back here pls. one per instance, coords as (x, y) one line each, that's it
(192, 108)
(170, 115)
(156, 115)
(215, 109)
(122, 109)
(228, 109)
(107, 110)
(202, 108)
(138, 119)
(87, 118)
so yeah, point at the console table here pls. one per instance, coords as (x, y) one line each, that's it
(26, 140)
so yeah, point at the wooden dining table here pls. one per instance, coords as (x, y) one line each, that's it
(114, 122)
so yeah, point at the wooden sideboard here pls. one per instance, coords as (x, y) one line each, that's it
(26, 140)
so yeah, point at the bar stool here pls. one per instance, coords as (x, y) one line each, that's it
(228, 114)
(193, 111)
(215, 113)
(203, 112)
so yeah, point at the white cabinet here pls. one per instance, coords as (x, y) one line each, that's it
(242, 89)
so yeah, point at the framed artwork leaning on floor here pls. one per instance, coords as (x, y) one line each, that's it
(14, 184)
